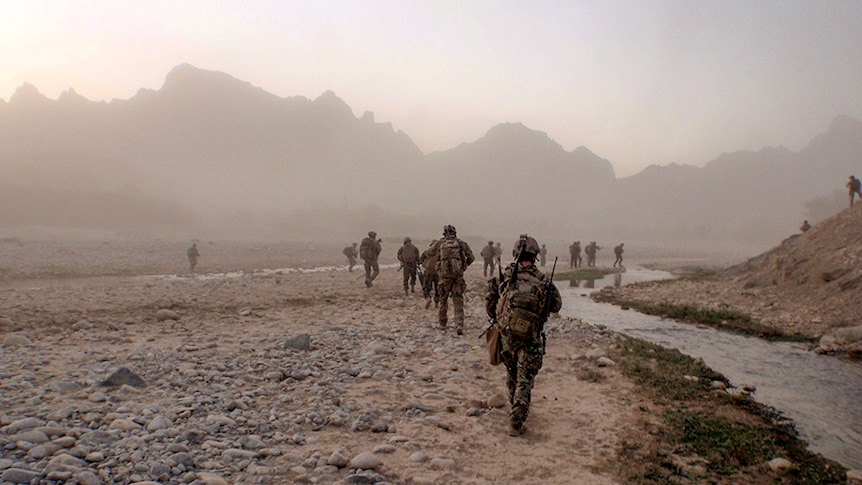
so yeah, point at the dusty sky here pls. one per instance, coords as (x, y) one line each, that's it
(636, 82)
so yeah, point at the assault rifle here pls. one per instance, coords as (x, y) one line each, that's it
(546, 303)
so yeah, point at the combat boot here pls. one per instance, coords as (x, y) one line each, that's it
(516, 429)
(406, 293)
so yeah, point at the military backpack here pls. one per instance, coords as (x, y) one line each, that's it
(521, 307)
(451, 264)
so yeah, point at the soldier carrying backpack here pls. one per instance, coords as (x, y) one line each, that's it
(455, 256)
(519, 303)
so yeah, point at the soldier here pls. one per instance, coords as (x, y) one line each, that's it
(618, 252)
(543, 254)
(408, 256)
(489, 254)
(193, 255)
(455, 256)
(575, 255)
(351, 252)
(591, 250)
(369, 250)
(428, 260)
(805, 226)
(520, 305)
(854, 187)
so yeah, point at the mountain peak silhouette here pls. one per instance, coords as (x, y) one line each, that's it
(27, 93)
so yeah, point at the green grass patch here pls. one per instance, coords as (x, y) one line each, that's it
(718, 437)
(583, 274)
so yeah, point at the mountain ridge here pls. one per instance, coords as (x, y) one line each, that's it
(219, 144)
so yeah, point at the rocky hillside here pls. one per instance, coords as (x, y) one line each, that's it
(811, 284)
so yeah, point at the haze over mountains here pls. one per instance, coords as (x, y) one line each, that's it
(208, 154)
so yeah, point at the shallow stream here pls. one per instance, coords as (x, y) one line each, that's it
(821, 394)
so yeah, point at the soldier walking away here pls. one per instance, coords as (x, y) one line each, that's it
(519, 306)
(498, 252)
(455, 256)
(369, 250)
(193, 255)
(575, 255)
(618, 252)
(408, 256)
(489, 255)
(543, 255)
(854, 186)
(590, 251)
(805, 226)
(428, 260)
(351, 252)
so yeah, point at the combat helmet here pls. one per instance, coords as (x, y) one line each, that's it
(529, 245)
(449, 230)
(490, 243)
(407, 240)
(372, 234)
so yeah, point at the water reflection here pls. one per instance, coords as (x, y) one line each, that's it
(820, 394)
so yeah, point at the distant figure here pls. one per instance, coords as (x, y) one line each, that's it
(193, 256)
(369, 250)
(618, 252)
(408, 256)
(575, 254)
(543, 255)
(428, 260)
(591, 250)
(805, 226)
(351, 252)
(854, 187)
(489, 255)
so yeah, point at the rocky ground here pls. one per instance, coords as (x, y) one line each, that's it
(286, 376)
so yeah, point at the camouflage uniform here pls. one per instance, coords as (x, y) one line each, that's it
(618, 252)
(428, 260)
(452, 285)
(521, 356)
(854, 187)
(351, 252)
(193, 255)
(805, 226)
(575, 254)
(369, 250)
(408, 256)
(488, 254)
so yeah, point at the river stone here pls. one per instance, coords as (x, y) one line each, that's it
(89, 478)
(337, 459)
(497, 401)
(211, 479)
(17, 340)
(65, 386)
(779, 464)
(159, 422)
(365, 461)
(165, 314)
(605, 362)
(31, 435)
(19, 475)
(6, 324)
(299, 342)
(22, 424)
(123, 376)
(124, 425)
(237, 454)
(442, 463)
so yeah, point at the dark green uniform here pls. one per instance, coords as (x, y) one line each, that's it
(521, 356)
